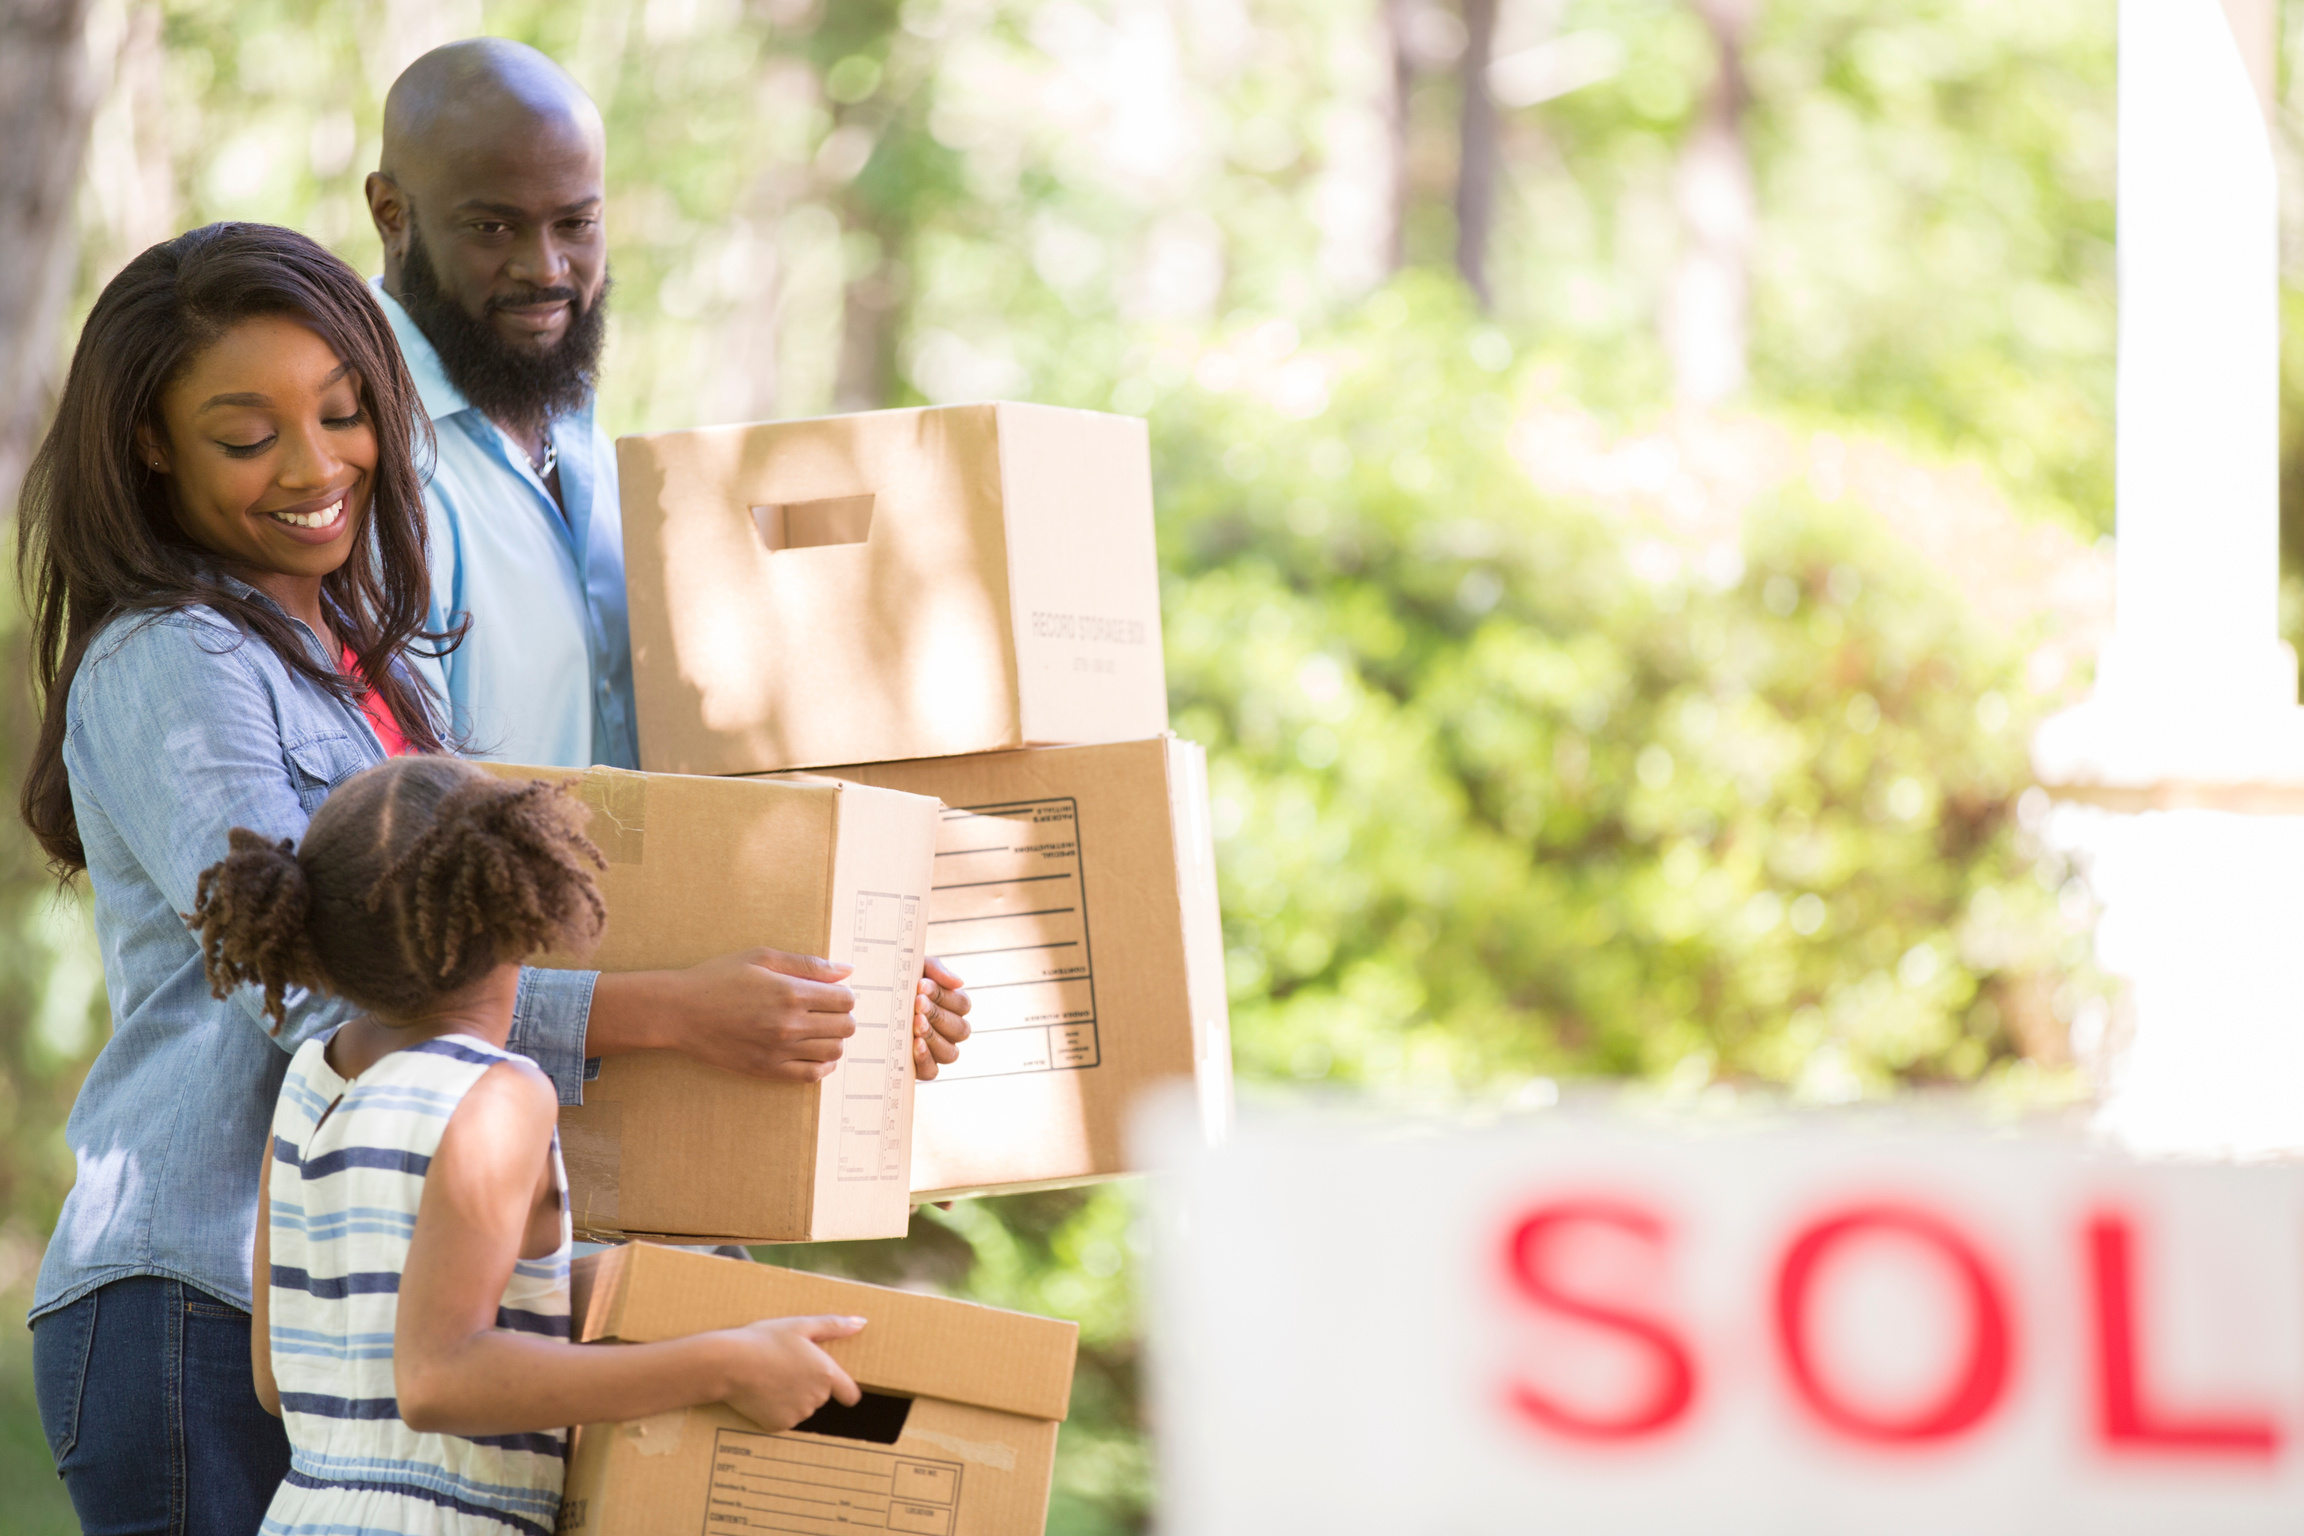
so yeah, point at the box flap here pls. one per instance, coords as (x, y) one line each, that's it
(925, 1346)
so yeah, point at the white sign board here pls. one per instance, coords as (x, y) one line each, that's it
(1590, 1328)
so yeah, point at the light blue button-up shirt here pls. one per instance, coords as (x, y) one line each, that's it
(544, 675)
(179, 728)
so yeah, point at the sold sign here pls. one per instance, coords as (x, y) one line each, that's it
(1823, 1328)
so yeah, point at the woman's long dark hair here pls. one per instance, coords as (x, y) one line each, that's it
(97, 536)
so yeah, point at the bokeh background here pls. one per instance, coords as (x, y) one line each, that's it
(1630, 473)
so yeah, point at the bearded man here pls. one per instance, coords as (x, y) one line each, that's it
(490, 198)
(490, 201)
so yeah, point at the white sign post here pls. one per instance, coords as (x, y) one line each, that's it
(1590, 1328)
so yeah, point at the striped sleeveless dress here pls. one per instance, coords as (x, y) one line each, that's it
(347, 1171)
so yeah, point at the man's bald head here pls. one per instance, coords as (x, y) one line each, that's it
(489, 201)
(479, 91)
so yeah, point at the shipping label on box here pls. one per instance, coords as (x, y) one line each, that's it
(1075, 894)
(664, 1145)
(956, 1435)
(891, 584)
(1780, 1330)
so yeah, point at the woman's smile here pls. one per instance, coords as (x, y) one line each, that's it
(315, 520)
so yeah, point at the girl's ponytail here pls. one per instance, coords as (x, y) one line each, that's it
(415, 879)
(253, 915)
(504, 870)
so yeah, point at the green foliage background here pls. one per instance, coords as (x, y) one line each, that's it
(1557, 732)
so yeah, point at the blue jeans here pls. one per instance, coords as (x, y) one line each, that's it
(149, 1403)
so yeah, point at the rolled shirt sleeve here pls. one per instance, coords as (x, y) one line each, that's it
(549, 1016)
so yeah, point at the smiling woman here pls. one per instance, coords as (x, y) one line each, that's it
(224, 398)
(224, 538)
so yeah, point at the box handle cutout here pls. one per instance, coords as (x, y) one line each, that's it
(812, 524)
(878, 1417)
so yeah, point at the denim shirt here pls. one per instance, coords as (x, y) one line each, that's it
(179, 728)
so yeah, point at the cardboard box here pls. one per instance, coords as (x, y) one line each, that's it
(666, 1146)
(888, 585)
(1076, 896)
(955, 1437)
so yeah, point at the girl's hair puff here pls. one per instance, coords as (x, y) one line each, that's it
(415, 879)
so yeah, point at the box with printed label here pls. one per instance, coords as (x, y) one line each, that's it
(956, 1435)
(892, 584)
(664, 1145)
(1075, 895)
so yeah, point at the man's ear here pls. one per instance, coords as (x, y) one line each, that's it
(388, 208)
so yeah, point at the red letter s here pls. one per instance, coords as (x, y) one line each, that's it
(1526, 1264)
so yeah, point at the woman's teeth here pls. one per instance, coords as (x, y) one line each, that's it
(319, 519)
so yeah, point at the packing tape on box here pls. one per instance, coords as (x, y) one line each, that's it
(658, 1435)
(997, 1454)
(592, 1150)
(619, 802)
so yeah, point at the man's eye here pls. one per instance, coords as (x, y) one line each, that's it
(490, 228)
(246, 450)
(580, 226)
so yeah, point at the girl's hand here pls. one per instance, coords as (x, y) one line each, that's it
(777, 1374)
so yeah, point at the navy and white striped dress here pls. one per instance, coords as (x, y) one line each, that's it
(347, 1173)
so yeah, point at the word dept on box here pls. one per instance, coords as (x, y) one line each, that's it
(1799, 1332)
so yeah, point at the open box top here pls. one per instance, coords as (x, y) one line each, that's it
(914, 1345)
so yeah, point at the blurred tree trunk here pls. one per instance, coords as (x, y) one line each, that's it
(1706, 316)
(1400, 59)
(1477, 155)
(48, 96)
(871, 315)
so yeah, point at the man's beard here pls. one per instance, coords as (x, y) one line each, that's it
(507, 382)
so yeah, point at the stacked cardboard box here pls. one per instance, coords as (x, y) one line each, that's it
(664, 1146)
(1075, 890)
(961, 602)
(954, 615)
(955, 1436)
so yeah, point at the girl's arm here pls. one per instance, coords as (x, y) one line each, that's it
(457, 1373)
(260, 1295)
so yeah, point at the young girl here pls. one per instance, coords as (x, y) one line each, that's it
(414, 1331)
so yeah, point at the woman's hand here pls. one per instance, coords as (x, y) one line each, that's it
(939, 1019)
(761, 1012)
(778, 1375)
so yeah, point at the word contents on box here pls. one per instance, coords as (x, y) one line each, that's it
(806, 1488)
(1009, 911)
(887, 953)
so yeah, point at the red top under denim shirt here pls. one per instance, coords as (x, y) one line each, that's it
(379, 717)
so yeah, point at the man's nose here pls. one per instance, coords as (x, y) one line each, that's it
(538, 261)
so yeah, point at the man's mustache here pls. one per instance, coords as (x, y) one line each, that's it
(534, 296)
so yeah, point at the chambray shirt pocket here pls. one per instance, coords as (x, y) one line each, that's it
(317, 764)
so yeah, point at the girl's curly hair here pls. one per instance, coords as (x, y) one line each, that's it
(415, 879)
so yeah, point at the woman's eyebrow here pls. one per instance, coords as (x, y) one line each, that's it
(254, 398)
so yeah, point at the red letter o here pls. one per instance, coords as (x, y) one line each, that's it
(1972, 1394)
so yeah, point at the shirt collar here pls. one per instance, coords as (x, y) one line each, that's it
(441, 399)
